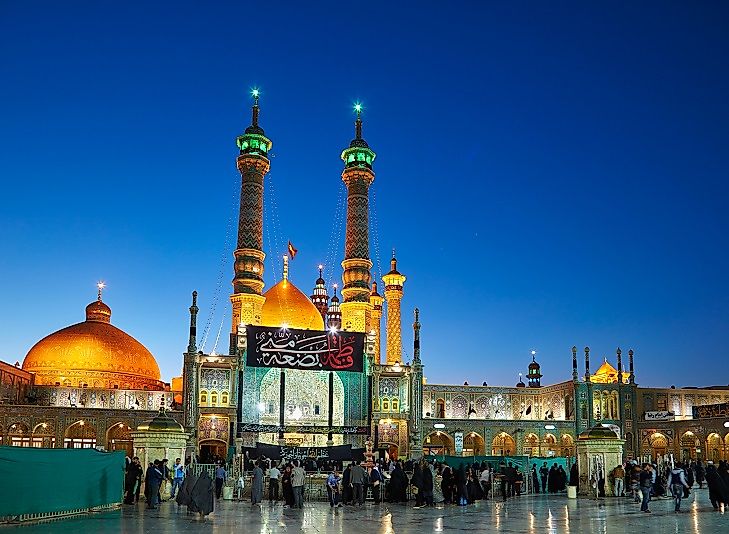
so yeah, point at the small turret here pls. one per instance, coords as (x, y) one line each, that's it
(320, 296)
(534, 375)
(334, 314)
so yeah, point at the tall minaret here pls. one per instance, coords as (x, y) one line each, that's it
(357, 176)
(376, 324)
(320, 297)
(416, 395)
(393, 294)
(253, 164)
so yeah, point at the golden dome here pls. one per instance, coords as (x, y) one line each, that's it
(287, 305)
(94, 353)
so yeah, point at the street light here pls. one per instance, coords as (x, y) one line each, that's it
(549, 427)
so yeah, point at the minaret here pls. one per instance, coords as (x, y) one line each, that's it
(393, 293)
(190, 380)
(320, 297)
(253, 164)
(192, 340)
(416, 384)
(334, 315)
(631, 376)
(620, 365)
(376, 325)
(587, 364)
(357, 176)
(534, 376)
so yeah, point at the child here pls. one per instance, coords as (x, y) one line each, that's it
(333, 489)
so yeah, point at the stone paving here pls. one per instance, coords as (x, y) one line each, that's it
(526, 514)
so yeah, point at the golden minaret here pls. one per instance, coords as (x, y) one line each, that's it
(376, 323)
(357, 176)
(393, 294)
(253, 164)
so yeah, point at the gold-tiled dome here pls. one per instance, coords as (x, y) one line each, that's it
(93, 353)
(287, 305)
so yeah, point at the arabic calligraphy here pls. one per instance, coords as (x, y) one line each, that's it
(304, 349)
(710, 410)
(302, 429)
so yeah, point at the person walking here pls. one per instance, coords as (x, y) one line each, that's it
(619, 476)
(298, 477)
(376, 483)
(485, 480)
(132, 477)
(358, 479)
(677, 482)
(446, 483)
(416, 481)
(646, 484)
(287, 488)
(178, 472)
(544, 474)
(256, 484)
(333, 488)
(220, 476)
(428, 484)
(700, 474)
(152, 481)
(273, 476)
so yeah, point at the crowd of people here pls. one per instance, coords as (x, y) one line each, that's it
(647, 481)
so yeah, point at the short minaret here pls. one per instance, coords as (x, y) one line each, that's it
(334, 314)
(534, 375)
(631, 376)
(416, 384)
(192, 340)
(393, 294)
(587, 365)
(574, 364)
(620, 365)
(357, 176)
(376, 327)
(253, 164)
(320, 297)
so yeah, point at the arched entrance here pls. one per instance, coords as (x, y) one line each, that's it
(19, 435)
(659, 445)
(119, 438)
(80, 435)
(689, 443)
(437, 443)
(473, 444)
(714, 447)
(390, 449)
(43, 436)
(568, 445)
(503, 445)
(213, 450)
(531, 445)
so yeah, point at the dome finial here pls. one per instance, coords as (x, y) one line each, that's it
(100, 286)
(255, 93)
(285, 266)
(358, 122)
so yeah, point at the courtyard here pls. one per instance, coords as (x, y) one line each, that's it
(526, 514)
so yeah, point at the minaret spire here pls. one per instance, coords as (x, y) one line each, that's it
(253, 164)
(192, 342)
(100, 286)
(394, 281)
(416, 337)
(357, 176)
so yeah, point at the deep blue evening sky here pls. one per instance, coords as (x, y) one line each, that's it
(551, 174)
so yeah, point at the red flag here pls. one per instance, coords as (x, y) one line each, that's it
(292, 251)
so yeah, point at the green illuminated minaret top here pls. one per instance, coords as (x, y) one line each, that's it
(254, 140)
(359, 153)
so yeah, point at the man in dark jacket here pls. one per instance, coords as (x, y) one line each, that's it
(132, 477)
(358, 479)
(152, 481)
(646, 483)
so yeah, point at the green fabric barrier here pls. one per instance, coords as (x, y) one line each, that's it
(36, 481)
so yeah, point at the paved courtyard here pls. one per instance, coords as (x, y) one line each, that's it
(538, 514)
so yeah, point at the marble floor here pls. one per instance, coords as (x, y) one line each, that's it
(526, 514)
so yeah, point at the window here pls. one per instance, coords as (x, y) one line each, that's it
(213, 399)
(203, 397)
(395, 405)
(440, 408)
(316, 409)
(269, 408)
(662, 405)
(224, 398)
(385, 405)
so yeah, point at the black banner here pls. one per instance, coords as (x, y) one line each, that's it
(303, 429)
(312, 350)
(276, 452)
(710, 410)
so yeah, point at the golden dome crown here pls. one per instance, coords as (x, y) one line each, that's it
(287, 305)
(93, 353)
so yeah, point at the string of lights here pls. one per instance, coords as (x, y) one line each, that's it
(335, 234)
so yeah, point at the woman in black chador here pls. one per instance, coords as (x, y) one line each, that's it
(398, 485)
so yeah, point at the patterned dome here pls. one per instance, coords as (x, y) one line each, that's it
(93, 353)
(286, 304)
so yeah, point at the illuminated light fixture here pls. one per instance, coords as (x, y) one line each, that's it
(214, 417)
(549, 427)
(255, 92)
(284, 326)
(534, 353)
(81, 423)
(726, 425)
(333, 329)
(101, 285)
(358, 107)
(45, 425)
(321, 266)
(439, 425)
(261, 407)
(297, 413)
(397, 368)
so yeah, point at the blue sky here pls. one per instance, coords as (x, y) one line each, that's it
(551, 174)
